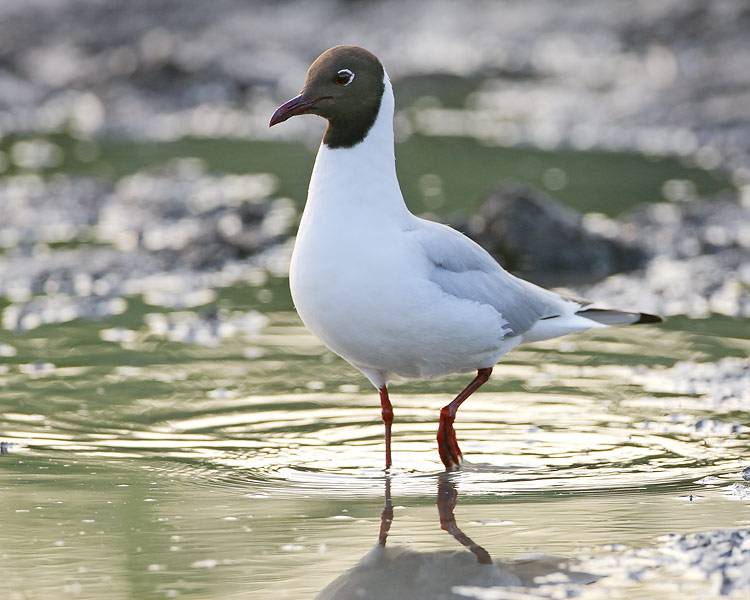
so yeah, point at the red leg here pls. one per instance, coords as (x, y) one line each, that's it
(450, 453)
(387, 412)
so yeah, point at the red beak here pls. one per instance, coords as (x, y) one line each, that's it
(295, 106)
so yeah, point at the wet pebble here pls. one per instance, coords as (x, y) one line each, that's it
(711, 563)
(207, 328)
(6, 350)
(118, 335)
(722, 385)
(171, 235)
(709, 480)
(739, 491)
(59, 308)
(206, 563)
(691, 269)
(719, 558)
(37, 368)
(724, 382)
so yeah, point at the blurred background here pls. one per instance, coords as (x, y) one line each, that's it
(149, 351)
(136, 130)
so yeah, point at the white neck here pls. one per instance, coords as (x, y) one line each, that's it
(361, 178)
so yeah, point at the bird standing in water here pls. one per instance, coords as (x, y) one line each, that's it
(395, 295)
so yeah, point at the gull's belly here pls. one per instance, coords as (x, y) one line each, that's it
(376, 307)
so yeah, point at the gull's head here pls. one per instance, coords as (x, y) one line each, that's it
(345, 86)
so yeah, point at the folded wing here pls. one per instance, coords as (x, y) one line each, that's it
(462, 268)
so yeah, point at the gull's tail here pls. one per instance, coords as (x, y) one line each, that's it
(574, 318)
(618, 317)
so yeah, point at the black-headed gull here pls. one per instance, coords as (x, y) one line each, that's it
(395, 295)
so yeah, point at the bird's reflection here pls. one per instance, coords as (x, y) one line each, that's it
(402, 573)
(446, 502)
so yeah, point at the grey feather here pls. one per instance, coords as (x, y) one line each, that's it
(464, 269)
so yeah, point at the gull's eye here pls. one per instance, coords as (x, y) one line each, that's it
(344, 77)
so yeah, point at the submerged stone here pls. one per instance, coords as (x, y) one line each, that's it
(535, 236)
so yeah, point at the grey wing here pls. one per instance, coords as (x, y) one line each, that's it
(462, 268)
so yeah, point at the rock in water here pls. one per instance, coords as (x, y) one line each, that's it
(533, 235)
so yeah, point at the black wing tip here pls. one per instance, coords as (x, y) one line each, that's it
(647, 318)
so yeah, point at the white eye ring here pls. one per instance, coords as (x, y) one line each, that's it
(343, 73)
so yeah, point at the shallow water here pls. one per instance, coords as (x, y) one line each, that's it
(218, 451)
(142, 468)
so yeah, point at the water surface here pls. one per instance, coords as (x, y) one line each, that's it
(143, 468)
